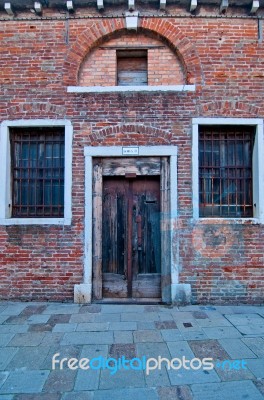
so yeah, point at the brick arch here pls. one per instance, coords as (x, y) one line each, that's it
(125, 134)
(36, 110)
(103, 29)
(229, 108)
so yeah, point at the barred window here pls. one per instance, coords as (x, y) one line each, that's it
(225, 171)
(37, 172)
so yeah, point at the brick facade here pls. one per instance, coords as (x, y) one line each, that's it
(223, 261)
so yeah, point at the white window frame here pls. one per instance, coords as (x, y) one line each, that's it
(257, 165)
(5, 172)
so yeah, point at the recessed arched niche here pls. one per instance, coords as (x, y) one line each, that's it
(132, 59)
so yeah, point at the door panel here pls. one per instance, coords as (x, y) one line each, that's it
(131, 249)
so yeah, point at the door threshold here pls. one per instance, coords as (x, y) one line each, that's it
(142, 301)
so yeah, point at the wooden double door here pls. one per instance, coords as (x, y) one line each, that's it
(131, 237)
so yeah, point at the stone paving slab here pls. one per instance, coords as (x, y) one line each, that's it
(78, 396)
(256, 367)
(175, 393)
(208, 348)
(123, 337)
(5, 338)
(147, 336)
(223, 391)
(6, 355)
(187, 377)
(127, 394)
(236, 348)
(224, 332)
(87, 338)
(29, 358)
(122, 379)
(251, 330)
(256, 345)
(24, 382)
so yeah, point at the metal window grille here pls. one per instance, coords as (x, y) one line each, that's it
(225, 171)
(37, 165)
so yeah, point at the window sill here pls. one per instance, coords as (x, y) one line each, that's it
(121, 89)
(35, 221)
(228, 221)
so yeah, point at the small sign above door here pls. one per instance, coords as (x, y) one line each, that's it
(130, 151)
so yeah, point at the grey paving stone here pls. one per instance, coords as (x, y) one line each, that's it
(175, 393)
(122, 308)
(245, 319)
(6, 397)
(158, 377)
(259, 383)
(64, 328)
(6, 355)
(92, 308)
(62, 309)
(78, 396)
(208, 348)
(87, 380)
(64, 352)
(143, 326)
(181, 316)
(3, 318)
(222, 391)
(38, 319)
(147, 336)
(27, 339)
(180, 349)
(246, 309)
(256, 345)
(188, 377)
(122, 326)
(27, 357)
(13, 309)
(224, 332)
(60, 381)
(170, 335)
(213, 322)
(33, 309)
(15, 320)
(13, 328)
(5, 338)
(38, 396)
(3, 377)
(93, 351)
(121, 379)
(88, 338)
(93, 327)
(123, 337)
(165, 316)
(256, 367)
(230, 374)
(152, 350)
(118, 350)
(40, 328)
(252, 330)
(127, 394)
(165, 324)
(78, 318)
(51, 339)
(24, 382)
(194, 335)
(236, 348)
(188, 326)
(106, 318)
(58, 319)
(199, 315)
(140, 317)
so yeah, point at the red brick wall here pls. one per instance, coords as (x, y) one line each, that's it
(222, 56)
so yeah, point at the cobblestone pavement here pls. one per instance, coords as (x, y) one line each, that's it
(31, 333)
